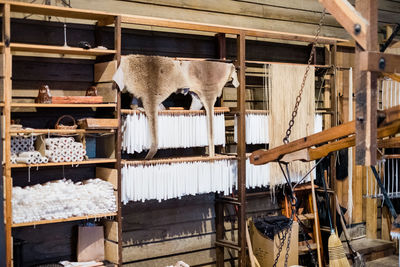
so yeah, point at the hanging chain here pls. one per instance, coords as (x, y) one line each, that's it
(282, 239)
(298, 98)
(303, 233)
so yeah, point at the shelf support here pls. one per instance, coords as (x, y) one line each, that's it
(118, 135)
(241, 147)
(7, 68)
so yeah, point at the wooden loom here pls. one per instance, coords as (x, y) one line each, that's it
(361, 23)
(340, 137)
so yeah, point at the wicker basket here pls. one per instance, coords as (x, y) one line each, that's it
(66, 127)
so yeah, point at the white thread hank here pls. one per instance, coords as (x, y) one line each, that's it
(174, 131)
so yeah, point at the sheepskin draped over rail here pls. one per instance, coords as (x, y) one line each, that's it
(154, 78)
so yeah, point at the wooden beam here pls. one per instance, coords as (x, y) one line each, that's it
(311, 154)
(241, 147)
(349, 18)
(324, 150)
(389, 126)
(196, 26)
(7, 69)
(379, 62)
(393, 142)
(56, 11)
(263, 156)
(366, 89)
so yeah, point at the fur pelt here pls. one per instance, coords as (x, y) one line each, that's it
(154, 78)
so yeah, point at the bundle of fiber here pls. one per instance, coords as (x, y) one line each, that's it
(389, 93)
(174, 131)
(257, 175)
(174, 180)
(62, 199)
(284, 86)
(257, 130)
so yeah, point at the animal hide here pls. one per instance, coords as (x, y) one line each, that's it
(154, 78)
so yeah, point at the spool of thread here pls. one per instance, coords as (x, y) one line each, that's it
(26, 155)
(61, 159)
(55, 159)
(82, 152)
(67, 158)
(71, 140)
(50, 142)
(79, 158)
(49, 153)
(74, 158)
(24, 160)
(78, 145)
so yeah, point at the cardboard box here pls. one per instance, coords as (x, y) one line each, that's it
(266, 249)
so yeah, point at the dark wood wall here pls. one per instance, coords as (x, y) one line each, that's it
(153, 233)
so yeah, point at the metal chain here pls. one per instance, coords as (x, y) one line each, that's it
(282, 240)
(298, 98)
(307, 244)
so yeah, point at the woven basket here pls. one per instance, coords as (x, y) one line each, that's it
(66, 127)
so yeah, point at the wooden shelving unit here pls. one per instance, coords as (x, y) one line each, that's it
(76, 163)
(39, 105)
(60, 50)
(9, 106)
(60, 131)
(79, 218)
(103, 19)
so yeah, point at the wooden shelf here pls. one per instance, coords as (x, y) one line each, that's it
(37, 105)
(177, 160)
(65, 220)
(50, 164)
(51, 49)
(59, 131)
(57, 11)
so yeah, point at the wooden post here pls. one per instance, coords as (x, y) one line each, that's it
(241, 148)
(7, 67)
(366, 86)
(334, 120)
(221, 45)
(371, 212)
(117, 47)
(219, 231)
(386, 223)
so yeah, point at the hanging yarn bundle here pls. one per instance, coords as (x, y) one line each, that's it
(64, 149)
(165, 181)
(62, 199)
(257, 175)
(257, 130)
(389, 93)
(284, 84)
(174, 131)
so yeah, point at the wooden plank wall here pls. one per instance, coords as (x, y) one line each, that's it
(300, 16)
(159, 234)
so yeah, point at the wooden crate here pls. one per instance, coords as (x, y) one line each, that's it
(94, 123)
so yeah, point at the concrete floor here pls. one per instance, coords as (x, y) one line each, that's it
(389, 261)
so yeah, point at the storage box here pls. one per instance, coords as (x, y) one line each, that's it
(94, 123)
(266, 249)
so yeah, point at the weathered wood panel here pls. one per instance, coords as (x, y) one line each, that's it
(187, 225)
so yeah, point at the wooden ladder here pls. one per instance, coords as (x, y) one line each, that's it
(308, 216)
